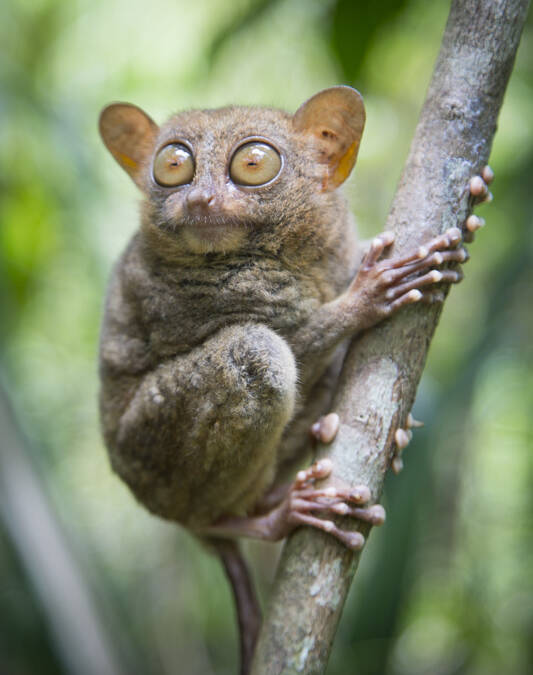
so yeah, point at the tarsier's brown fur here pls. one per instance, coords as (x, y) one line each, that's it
(205, 356)
(228, 314)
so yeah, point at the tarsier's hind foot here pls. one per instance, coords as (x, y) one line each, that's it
(402, 438)
(309, 505)
(479, 193)
(305, 504)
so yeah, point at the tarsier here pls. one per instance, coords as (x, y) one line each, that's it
(228, 316)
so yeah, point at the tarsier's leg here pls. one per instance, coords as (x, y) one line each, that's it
(305, 504)
(199, 436)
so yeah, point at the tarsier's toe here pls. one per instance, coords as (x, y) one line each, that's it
(315, 506)
(326, 428)
(480, 193)
(487, 174)
(317, 471)
(473, 223)
(402, 438)
(479, 186)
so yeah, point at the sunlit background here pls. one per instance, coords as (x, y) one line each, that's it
(446, 585)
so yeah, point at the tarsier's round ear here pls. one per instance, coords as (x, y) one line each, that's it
(335, 117)
(129, 134)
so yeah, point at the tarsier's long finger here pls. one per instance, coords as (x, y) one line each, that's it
(402, 438)
(326, 428)
(458, 255)
(487, 174)
(318, 470)
(473, 223)
(433, 277)
(449, 239)
(377, 246)
(432, 297)
(359, 494)
(406, 299)
(479, 188)
(352, 540)
(375, 515)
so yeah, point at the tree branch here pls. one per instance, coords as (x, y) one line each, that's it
(382, 370)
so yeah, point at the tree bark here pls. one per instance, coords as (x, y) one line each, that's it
(452, 143)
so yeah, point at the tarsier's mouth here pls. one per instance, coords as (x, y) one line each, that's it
(212, 221)
(203, 234)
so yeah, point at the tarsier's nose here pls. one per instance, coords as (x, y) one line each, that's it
(199, 200)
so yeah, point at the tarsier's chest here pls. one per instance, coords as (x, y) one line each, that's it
(181, 307)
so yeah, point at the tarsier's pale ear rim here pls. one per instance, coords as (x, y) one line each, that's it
(335, 117)
(129, 134)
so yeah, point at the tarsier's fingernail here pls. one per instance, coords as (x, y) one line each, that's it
(301, 476)
(401, 438)
(360, 494)
(436, 276)
(473, 223)
(324, 467)
(397, 465)
(341, 508)
(330, 492)
(415, 295)
(315, 429)
(438, 258)
(455, 234)
(357, 541)
(378, 514)
(329, 425)
(422, 252)
(477, 186)
(329, 525)
(487, 174)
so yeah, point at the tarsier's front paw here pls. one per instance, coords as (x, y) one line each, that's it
(384, 286)
(308, 505)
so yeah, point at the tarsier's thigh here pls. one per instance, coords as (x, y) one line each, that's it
(200, 434)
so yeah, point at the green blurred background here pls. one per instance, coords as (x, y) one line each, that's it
(446, 585)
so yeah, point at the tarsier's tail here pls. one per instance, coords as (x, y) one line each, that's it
(246, 603)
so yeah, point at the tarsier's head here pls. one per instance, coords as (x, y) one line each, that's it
(215, 179)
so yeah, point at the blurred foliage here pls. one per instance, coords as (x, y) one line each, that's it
(445, 587)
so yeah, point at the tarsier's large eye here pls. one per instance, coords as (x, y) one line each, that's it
(255, 163)
(173, 165)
